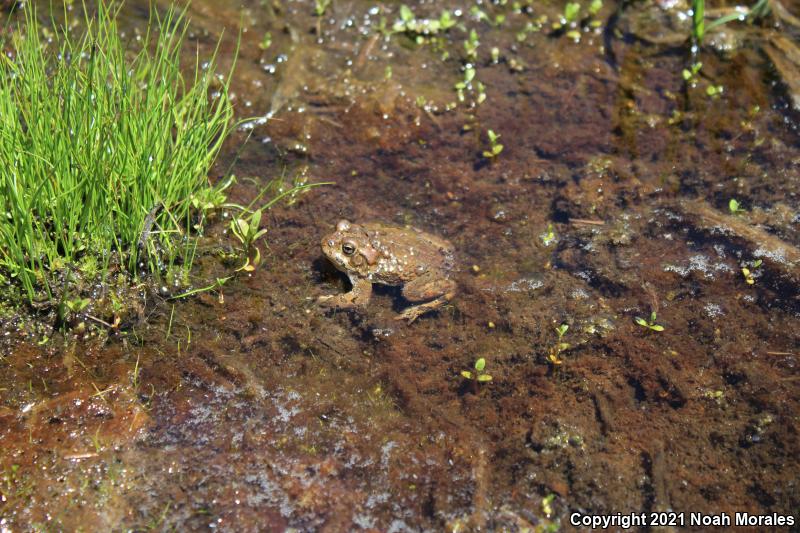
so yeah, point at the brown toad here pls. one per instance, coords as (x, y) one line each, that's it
(390, 255)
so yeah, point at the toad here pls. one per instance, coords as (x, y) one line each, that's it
(389, 255)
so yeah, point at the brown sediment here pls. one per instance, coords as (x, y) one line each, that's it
(776, 252)
(255, 409)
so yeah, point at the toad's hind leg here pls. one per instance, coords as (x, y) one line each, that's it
(432, 288)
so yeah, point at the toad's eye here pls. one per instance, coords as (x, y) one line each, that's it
(348, 248)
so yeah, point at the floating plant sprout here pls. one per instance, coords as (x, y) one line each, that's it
(649, 324)
(478, 375)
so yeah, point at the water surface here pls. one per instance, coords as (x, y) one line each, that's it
(253, 409)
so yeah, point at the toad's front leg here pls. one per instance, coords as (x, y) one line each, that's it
(358, 296)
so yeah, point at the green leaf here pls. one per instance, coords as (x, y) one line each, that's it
(656, 327)
(480, 364)
(757, 263)
(595, 6)
(476, 12)
(247, 266)
(406, 14)
(698, 20)
(467, 374)
(483, 378)
(266, 42)
(547, 504)
(446, 21)
(78, 304)
(652, 317)
(497, 148)
(240, 227)
(571, 11)
(733, 205)
(255, 220)
(640, 321)
(469, 74)
(492, 136)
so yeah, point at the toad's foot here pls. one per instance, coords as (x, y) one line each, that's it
(412, 313)
(358, 297)
(338, 301)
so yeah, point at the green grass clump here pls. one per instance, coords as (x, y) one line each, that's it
(102, 150)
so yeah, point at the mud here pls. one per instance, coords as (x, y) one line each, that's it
(251, 409)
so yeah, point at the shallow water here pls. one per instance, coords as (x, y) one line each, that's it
(253, 409)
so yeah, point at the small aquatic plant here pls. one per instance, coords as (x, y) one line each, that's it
(471, 45)
(531, 27)
(547, 505)
(469, 83)
(649, 324)
(714, 91)
(750, 273)
(549, 236)
(494, 147)
(419, 28)
(246, 230)
(741, 14)
(735, 207)
(103, 150)
(554, 356)
(571, 11)
(717, 396)
(571, 21)
(479, 14)
(320, 7)
(266, 41)
(69, 307)
(690, 74)
(479, 375)
(461, 86)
